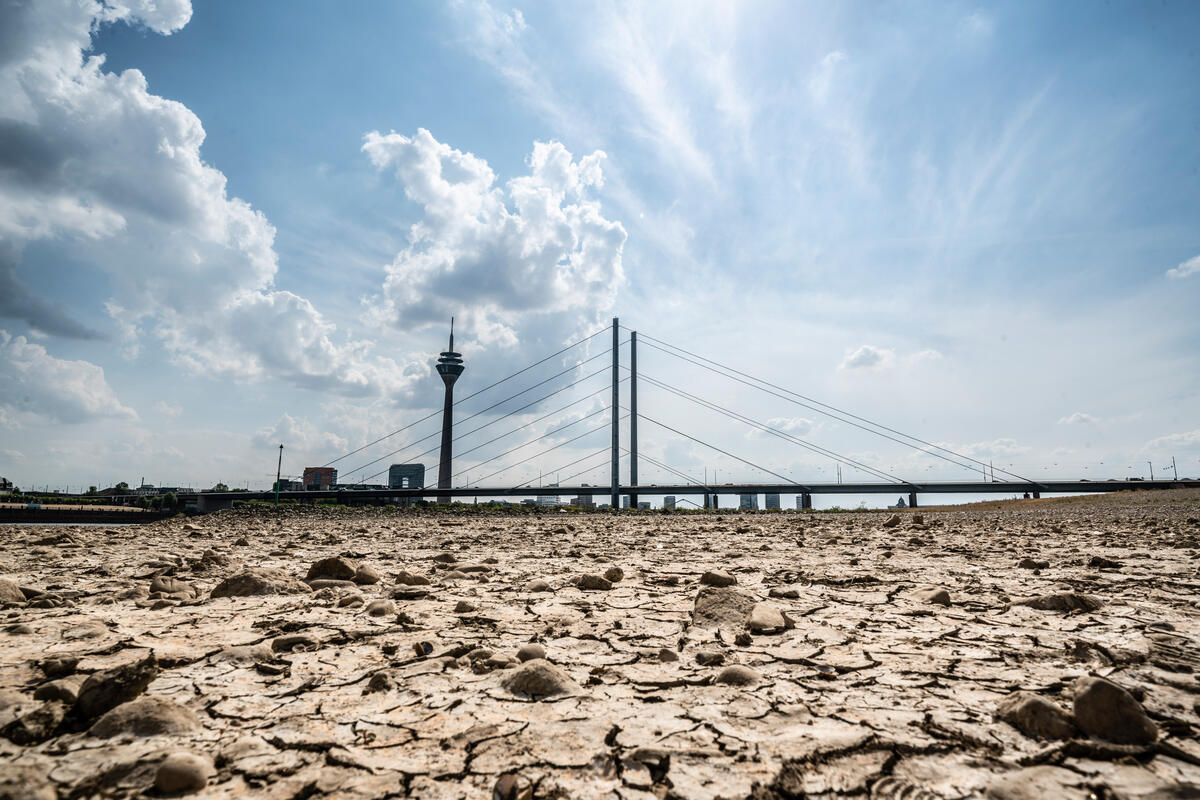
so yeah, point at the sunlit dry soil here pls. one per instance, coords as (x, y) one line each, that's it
(833, 667)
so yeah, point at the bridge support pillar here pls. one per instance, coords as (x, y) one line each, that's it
(1037, 495)
(912, 499)
(806, 501)
(206, 504)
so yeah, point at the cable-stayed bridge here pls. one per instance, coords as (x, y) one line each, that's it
(496, 442)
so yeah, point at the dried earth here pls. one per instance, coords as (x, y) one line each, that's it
(1042, 650)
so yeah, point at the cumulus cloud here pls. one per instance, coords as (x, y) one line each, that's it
(867, 357)
(1189, 267)
(1079, 418)
(33, 381)
(797, 426)
(994, 448)
(1175, 442)
(17, 302)
(92, 157)
(536, 252)
(299, 436)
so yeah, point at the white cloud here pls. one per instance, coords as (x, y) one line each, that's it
(1175, 442)
(1189, 267)
(822, 80)
(34, 382)
(168, 410)
(537, 252)
(996, 447)
(92, 157)
(921, 356)
(867, 357)
(1079, 417)
(12, 455)
(299, 436)
(797, 426)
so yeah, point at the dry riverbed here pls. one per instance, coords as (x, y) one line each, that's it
(1035, 651)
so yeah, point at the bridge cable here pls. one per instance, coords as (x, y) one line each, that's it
(468, 397)
(818, 449)
(542, 453)
(983, 466)
(489, 408)
(719, 450)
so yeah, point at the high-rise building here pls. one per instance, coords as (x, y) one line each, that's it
(772, 502)
(406, 476)
(549, 499)
(749, 502)
(317, 479)
(449, 366)
(669, 502)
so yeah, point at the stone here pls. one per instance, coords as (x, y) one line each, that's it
(382, 681)
(891, 521)
(528, 652)
(717, 578)
(294, 641)
(65, 690)
(1037, 783)
(666, 655)
(405, 578)
(350, 599)
(25, 782)
(537, 585)
(337, 568)
(512, 787)
(710, 658)
(933, 596)
(366, 575)
(246, 654)
(766, 618)
(1036, 716)
(36, 726)
(146, 716)
(381, 608)
(169, 585)
(592, 583)
(445, 558)
(1062, 601)
(737, 675)
(183, 773)
(1030, 563)
(539, 679)
(1100, 562)
(110, 688)
(10, 592)
(1104, 710)
(722, 607)
(59, 666)
(464, 607)
(260, 581)
(614, 574)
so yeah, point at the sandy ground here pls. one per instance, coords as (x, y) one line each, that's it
(849, 659)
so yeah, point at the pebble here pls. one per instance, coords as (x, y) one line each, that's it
(528, 652)
(592, 582)
(464, 607)
(537, 585)
(260, 581)
(294, 641)
(709, 658)
(1062, 601)
(1030, 563)
(933, 596)
(666, 654)
(381, 608)
(1036, 716)
(405, 578)
(722, 607)
(337, 568)
(10, 592)
(65, 690)
(539, 679)
(737, 675)
(891, 521)
(766, 618)
(59, 666)
(146, 716)
(366, 575)
(110, 688)
(381, 681)
(1106, 711)
(614, 574)
(717, 578)
(183, 773)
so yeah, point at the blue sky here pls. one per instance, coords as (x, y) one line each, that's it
(227, 226)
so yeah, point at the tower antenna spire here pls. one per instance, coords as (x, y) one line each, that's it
(452, 334)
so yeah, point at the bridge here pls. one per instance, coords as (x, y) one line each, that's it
(529, 417)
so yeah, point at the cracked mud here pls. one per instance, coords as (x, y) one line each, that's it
(371, 654)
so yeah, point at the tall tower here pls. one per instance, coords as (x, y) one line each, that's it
(449, 366)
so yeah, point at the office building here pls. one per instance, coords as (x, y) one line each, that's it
(406, 476)
(319, 479)
(669, 502)
(748, 502)
(772, 502)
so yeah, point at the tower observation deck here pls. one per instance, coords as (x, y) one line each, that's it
(449, 366)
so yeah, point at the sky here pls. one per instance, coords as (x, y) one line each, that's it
(237, 225)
